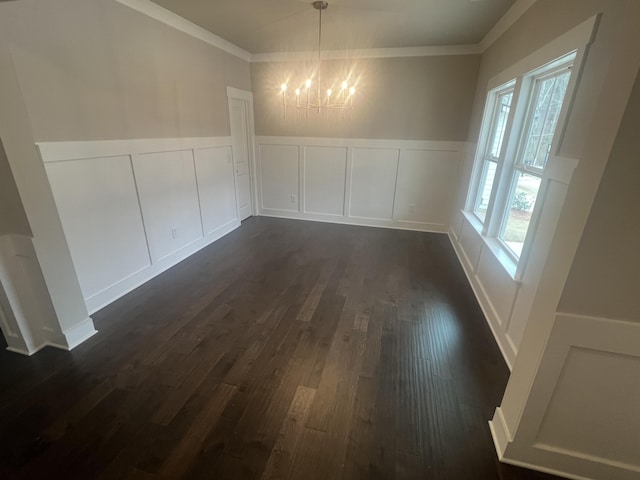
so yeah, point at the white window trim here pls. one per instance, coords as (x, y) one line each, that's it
(574, 42)
(483, 144)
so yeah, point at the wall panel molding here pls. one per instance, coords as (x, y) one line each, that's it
(62, 151)
(133, 208)
(406, 184)
(588, 362)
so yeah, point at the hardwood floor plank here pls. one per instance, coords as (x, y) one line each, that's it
(284, 450)
(361, 432)
(179, 460)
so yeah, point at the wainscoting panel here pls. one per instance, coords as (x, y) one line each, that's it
(581, 418)
(418, 169)
(98, 207)
(279, 167)
(406, 184)
(131, 209)
(498, 286)
(373, 182)
(470, 246)
(325, 170)
(214, 169)
(169, 199)
(585, 390)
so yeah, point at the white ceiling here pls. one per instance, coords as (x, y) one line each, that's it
(262, 26)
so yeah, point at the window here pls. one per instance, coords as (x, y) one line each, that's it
(517, 138)
(500, 115)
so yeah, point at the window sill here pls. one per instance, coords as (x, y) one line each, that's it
(498, 250)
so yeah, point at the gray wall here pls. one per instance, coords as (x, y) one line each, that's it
(412, 98)
(604, 276)
(96, 70)
(12, 217)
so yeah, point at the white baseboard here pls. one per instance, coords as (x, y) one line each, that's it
(78, 334)
(538, 468)
(23, 351)
(362, 222)
(126, 285)
(499, 433)
(72, 338)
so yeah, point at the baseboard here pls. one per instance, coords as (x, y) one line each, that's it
(126, 285)
(26, 352)
(505, 348)
(538, 468)
(355, 221)
(71, 339)
(499, 433)
(76, 335)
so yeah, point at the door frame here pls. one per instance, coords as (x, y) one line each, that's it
(247, 97)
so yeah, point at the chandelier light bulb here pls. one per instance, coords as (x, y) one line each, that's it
(338, 98)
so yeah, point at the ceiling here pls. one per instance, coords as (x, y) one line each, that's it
(263, 26)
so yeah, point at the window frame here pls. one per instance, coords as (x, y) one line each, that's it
(510, 161)
(487, 127)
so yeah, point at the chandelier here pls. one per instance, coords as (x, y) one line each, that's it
(310, 96)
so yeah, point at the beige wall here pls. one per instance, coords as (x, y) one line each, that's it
(604, 276)
(95, 70)
(12, 217)
(412, 98)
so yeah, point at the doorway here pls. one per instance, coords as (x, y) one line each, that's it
(241, 121)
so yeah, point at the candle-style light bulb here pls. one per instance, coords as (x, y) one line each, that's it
(345, 84)
(297, 92)
(307, 83)
(352, 90)
(283, 87)
(329, 92)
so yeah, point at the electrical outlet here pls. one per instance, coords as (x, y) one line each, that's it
(293, 198)
(174, 233)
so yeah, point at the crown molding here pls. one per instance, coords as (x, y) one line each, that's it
(155, 11)
(506, 22)
(167, 17)
(367, 53)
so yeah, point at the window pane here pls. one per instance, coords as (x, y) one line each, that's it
(547, 103)
(499, 124)
(521, 203)
(484, 189)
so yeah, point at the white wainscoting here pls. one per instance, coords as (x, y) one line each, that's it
(386, 183)
(494, 288)
(581, 419)
(131, 209)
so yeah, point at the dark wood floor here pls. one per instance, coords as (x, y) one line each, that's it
(285, 350)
